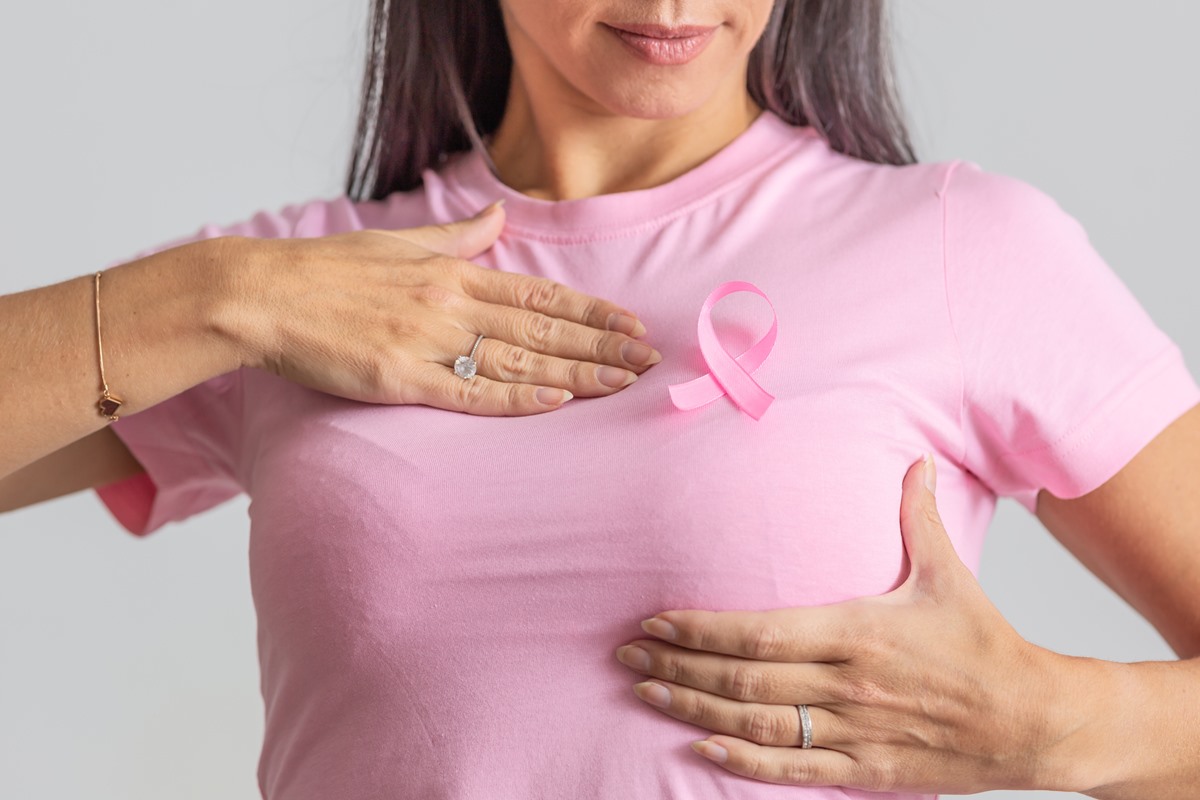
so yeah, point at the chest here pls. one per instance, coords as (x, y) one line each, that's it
(613, 505)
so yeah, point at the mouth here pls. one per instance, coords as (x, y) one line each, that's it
(662, 44)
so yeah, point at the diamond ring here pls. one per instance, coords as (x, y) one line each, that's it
(805, 727)
(464, 366)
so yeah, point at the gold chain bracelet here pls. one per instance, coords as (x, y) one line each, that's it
(108, 404)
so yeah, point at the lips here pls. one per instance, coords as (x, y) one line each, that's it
(665, 31)
(662, 44)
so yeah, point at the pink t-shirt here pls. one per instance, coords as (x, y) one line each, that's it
(439, 595)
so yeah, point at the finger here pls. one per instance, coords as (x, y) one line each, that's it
(554, 336)
(765, 723)
(464, 238)
(813, 633)
(435, 385)
(787, 765)
(550, 298)
(502, 361)
(928, 546)
(733, 677)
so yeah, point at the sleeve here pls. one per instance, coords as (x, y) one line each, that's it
(1065, 376)
(190, 443)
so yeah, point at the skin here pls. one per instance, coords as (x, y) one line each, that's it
(926, 688)
(586, 117)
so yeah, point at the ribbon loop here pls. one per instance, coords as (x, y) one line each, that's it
(728, 375)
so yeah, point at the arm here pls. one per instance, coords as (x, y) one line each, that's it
(1134, 728)
(96, 459)
(166, 324)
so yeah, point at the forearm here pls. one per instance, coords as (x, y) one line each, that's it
(1126, 731)
(165, 326)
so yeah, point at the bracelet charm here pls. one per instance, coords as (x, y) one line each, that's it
(108, 405)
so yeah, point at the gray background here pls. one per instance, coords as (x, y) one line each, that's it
(128, 666)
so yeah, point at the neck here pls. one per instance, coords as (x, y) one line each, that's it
(553, 149)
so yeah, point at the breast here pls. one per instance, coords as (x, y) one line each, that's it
(623, 500)
(417, 563)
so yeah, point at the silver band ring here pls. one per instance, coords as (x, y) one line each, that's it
(805, 728)
(464, 366)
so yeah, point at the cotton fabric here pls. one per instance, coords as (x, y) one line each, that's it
(439, 595)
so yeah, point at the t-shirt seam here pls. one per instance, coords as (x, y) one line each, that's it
(654, 222)
(962, 372)
(1131, 382)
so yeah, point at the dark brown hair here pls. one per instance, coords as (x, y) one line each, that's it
(437, 74)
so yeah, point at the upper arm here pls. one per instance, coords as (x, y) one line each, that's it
(1139, 531)
(96, 459)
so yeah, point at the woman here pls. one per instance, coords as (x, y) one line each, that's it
(439, 594)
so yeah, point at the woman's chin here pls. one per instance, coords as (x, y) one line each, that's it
(654, 104)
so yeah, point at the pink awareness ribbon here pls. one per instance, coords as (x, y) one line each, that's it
(727, 375)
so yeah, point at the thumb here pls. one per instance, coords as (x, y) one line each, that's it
(925, 539)
(465, 238)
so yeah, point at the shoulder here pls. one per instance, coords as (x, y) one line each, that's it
(840, 187)
(325, 216)
(983, 203)
(339, 214)
(957, 188)
(317, 216)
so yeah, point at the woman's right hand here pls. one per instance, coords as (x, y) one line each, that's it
(380, 316)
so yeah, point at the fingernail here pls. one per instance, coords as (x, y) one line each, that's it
(552, 397)
(489, 208)
(615, 377)
(640, 354)
(653, 693)
(627, 325)
(633, 656)
(930, 474)
(711, 751)
(639, 329)
(660, 628)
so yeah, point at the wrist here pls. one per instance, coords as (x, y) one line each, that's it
(1081, 742)
(234, 266)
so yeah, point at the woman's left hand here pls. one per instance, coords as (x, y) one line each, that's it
(925, 688)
